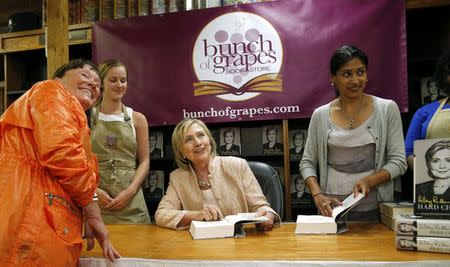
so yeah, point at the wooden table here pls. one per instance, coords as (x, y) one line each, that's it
(362, 242)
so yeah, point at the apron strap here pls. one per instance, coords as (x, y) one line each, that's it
(95, 111)
(94, 116)
(126, 117)
(430, 125)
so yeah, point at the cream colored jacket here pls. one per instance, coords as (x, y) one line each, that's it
(233, 183)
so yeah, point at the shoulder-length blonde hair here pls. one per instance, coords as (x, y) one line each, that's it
(178, 139)
(103, 69)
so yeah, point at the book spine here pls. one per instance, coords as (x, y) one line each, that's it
(423, 243)
(90, 10)
(388, 221)
(395, 211)
(422, 227)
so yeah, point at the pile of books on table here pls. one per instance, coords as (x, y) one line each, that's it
(417, 233)
(389, 211)
(429, 228)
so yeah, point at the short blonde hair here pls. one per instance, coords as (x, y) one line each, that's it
(178, 138)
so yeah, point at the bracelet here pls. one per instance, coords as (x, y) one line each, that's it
(320, 193)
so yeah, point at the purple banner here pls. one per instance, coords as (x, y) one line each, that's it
(257, 61)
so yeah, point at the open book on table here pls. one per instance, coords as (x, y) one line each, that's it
(231, 225)
(336, 224)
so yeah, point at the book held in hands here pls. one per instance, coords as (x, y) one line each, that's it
(230, 226)
(336, 224)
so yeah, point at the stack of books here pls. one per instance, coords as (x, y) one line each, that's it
(420, 234)
(391, 210)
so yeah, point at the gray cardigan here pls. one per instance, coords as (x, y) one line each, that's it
(386, 129)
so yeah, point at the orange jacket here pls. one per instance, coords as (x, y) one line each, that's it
(47, 173)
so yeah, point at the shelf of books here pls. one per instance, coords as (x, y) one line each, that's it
(253, 140)
(83, 11)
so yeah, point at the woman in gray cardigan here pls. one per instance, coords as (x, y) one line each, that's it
(355, 142)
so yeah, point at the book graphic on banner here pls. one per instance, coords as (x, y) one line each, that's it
(231, 225)
(423, 243)
(432, 178)
(408, 224)
(389, 211)
(336, 224)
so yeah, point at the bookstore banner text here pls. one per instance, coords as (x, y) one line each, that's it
(257, 61)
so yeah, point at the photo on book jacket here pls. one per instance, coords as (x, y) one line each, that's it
(300, 193)
(432, 177)
(297, 139)
(230, 141)
(155, 141)
(271, 139)
(154, 185)
(430, 90)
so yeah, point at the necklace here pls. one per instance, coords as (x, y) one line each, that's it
(351, 120)
(204, 185)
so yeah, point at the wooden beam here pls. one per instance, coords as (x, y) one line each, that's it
(411, 4)
(57, 45)
(287, 172)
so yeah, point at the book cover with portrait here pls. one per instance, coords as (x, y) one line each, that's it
(430, 91)
(272, 139)
(300, 193)
(230, 141)
(297, 139)
(154, 185)
(432, 177)
(156, 141)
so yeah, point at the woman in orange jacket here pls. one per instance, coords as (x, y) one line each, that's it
(48, 175)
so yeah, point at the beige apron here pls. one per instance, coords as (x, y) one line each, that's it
(114, 143)
(439, 126)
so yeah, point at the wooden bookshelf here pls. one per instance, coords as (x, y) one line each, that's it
(24, 59)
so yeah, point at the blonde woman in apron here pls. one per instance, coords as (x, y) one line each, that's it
(120, 140)
(432, 120)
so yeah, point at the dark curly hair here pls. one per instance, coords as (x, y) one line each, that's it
(442, 71)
